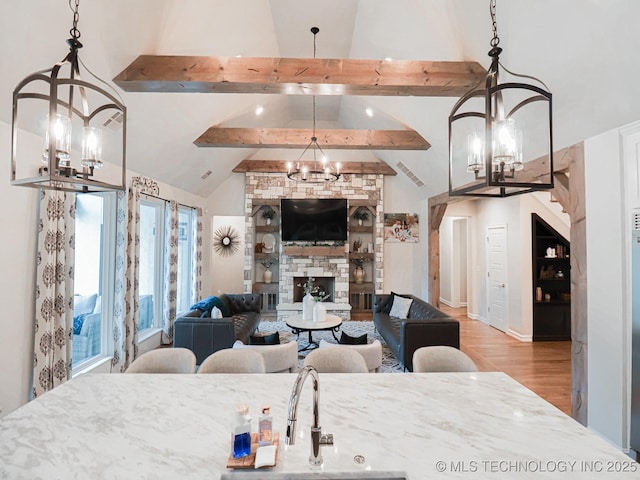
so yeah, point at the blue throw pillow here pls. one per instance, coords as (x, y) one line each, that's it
(208, 303)
(78, 320)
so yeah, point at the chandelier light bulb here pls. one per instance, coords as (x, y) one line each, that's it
(92, 147)
(62, 138)
(475, 158)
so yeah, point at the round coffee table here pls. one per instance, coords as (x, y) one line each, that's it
(298, 326)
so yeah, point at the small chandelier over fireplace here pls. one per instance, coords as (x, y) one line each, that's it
(317, 170)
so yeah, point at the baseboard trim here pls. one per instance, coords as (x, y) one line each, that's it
(519, 336)
(446, 302)
(477, 316)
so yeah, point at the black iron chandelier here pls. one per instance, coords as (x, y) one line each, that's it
(79, 124)
(500, 134)
(316, 170)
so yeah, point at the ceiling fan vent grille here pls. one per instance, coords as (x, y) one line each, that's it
(403, 168)
(206, 174)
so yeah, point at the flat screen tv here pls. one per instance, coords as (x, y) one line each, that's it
(314, 219)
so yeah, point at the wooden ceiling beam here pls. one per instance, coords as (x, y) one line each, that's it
(298, 76)
(279, 166)
(300, 138)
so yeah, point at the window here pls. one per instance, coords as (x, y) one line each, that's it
(151, 281)
(186, 233)
(93, 283)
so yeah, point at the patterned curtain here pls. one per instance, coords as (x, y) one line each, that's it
(128, 338)
(117, 363)
(197, 266)
(170, 271)
(54, 291)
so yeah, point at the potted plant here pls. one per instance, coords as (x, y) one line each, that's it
(361, 215)
(268, 214)
(266, 263)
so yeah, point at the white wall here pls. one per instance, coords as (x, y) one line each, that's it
(446, 267)
(227, 272)
(227, 199)
(607, 326)
(19, 217)
(406, 266)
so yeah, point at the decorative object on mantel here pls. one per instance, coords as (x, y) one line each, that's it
(259, 247)
(357, 244)
(266, 263)
(358, 273)
(69, 110)
(268, 214)
(145, 185)
(313, 294)
(226, 241)
(361, 215)
(487, 130)
(401, 227)
(316, 171)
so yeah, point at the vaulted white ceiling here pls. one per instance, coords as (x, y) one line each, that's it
(584, 50)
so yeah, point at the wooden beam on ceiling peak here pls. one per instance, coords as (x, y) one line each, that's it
(301, 137)
(299, 76)
(280, 166)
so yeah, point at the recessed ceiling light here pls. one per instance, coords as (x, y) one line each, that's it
(259, 110)
(238, 56)
(387, 59)
(369, 111)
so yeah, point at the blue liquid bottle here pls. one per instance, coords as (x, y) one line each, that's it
(242, 432)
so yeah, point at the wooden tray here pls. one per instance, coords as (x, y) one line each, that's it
(250, 460)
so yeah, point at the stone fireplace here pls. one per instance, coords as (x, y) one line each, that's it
(294, 268)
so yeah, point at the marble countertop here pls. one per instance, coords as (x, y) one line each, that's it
(453, 425)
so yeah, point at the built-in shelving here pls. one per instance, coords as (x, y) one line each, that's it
(551, 282)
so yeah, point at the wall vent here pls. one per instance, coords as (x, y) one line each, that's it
(403, 168)
(206, 174)
(636, 220)
(114, 122)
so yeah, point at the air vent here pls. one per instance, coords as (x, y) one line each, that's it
(114, 122)
(403, 168)
(636, 220)
(206, 174)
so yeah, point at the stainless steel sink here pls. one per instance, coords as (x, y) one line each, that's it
(365, 474)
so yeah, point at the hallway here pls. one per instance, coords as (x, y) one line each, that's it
(543, 367)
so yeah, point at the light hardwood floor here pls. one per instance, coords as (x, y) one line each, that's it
(543, 367)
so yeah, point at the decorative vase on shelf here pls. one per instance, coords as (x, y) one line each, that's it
(360, 221)
(267, 276)
(319, 312)
(307, 307)
(358, 275)
(268, 221)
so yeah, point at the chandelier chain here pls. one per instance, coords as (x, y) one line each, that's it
(315, 33)
(75, 33)
(495, 41)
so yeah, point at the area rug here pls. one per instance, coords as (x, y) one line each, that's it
(353, 328)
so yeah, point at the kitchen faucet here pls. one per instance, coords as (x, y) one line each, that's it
(317, 438)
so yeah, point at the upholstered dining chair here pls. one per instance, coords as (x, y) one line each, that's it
(442, 359)
(279, 358)
(336, 360)
(231, 360)
(164, 360)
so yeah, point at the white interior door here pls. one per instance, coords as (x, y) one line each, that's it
(496, 276)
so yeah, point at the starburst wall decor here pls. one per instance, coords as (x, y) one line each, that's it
(226, 241)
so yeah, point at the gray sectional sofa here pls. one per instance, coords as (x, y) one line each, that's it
(425, 326)
(204, 335)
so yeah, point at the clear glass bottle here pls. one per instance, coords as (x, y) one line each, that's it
(242, 432)
(265, 432)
